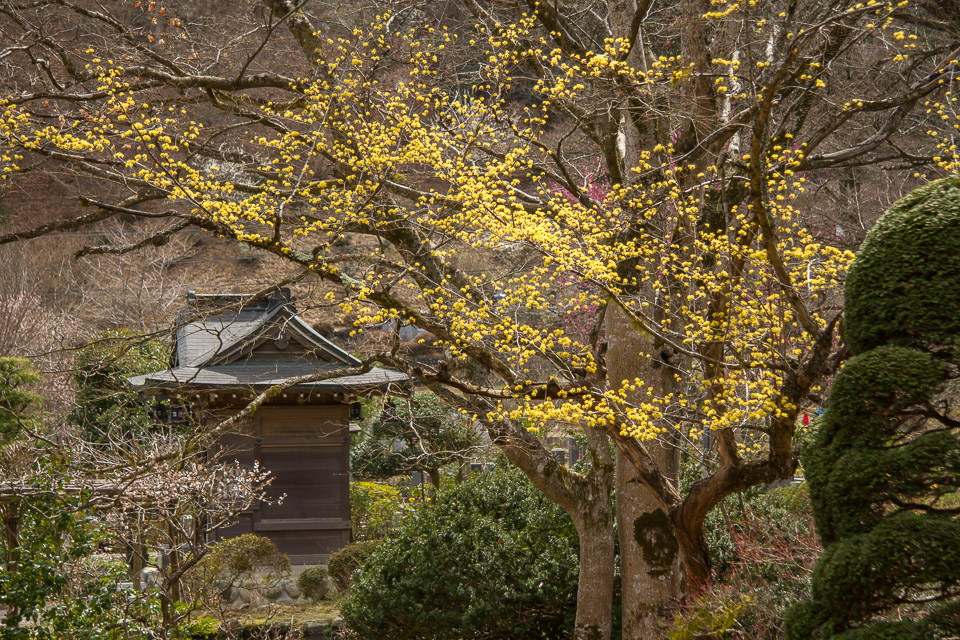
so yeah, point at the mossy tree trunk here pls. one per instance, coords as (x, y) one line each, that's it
(649, 551)
(586, 497)
(594, 523)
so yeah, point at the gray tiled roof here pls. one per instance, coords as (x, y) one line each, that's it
(208, 339)
(198, 341)
(213, 350)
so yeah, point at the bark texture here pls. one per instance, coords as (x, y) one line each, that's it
(649, 550)
(586, 498)
(594, 619)
(594, 525)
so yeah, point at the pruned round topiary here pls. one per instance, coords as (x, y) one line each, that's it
(313, 583)
(851, 475)
(904, 286)
(884, 467)
(344, 562)
(234, 560)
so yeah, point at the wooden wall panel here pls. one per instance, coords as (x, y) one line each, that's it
(243, 525)
(303, 422)
(306, 448)
(308, 543)
(236, 446)
(312, 479)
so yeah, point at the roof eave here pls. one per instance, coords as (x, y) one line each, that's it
(310, 386)
(145, 383)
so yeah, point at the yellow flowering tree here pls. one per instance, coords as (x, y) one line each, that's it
(611, 216)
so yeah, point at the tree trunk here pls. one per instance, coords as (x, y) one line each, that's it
(649, 557)
(11, 538)
(694, 555)
(595, 589)
(649, 549)
(11, 523)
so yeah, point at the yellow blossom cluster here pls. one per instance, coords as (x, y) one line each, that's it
(441, 176)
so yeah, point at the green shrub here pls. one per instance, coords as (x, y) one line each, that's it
(106, 408)
(346, 561)
(18, 405)
(313, 583)
(233, 560)
(887, 449)
(374, 509)
(488, 558)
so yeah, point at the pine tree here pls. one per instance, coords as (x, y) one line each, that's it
(884, 467)
(18, 405)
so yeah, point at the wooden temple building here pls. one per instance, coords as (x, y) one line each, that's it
(301, 436)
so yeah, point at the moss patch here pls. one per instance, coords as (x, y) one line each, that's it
(654, 533)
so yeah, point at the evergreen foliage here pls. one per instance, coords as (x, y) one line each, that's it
(884, 466)
(314, 583)
(488, 558)
(106, 407)
(423, 435)
(345, 562)
(18, 405)
(903, 286)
